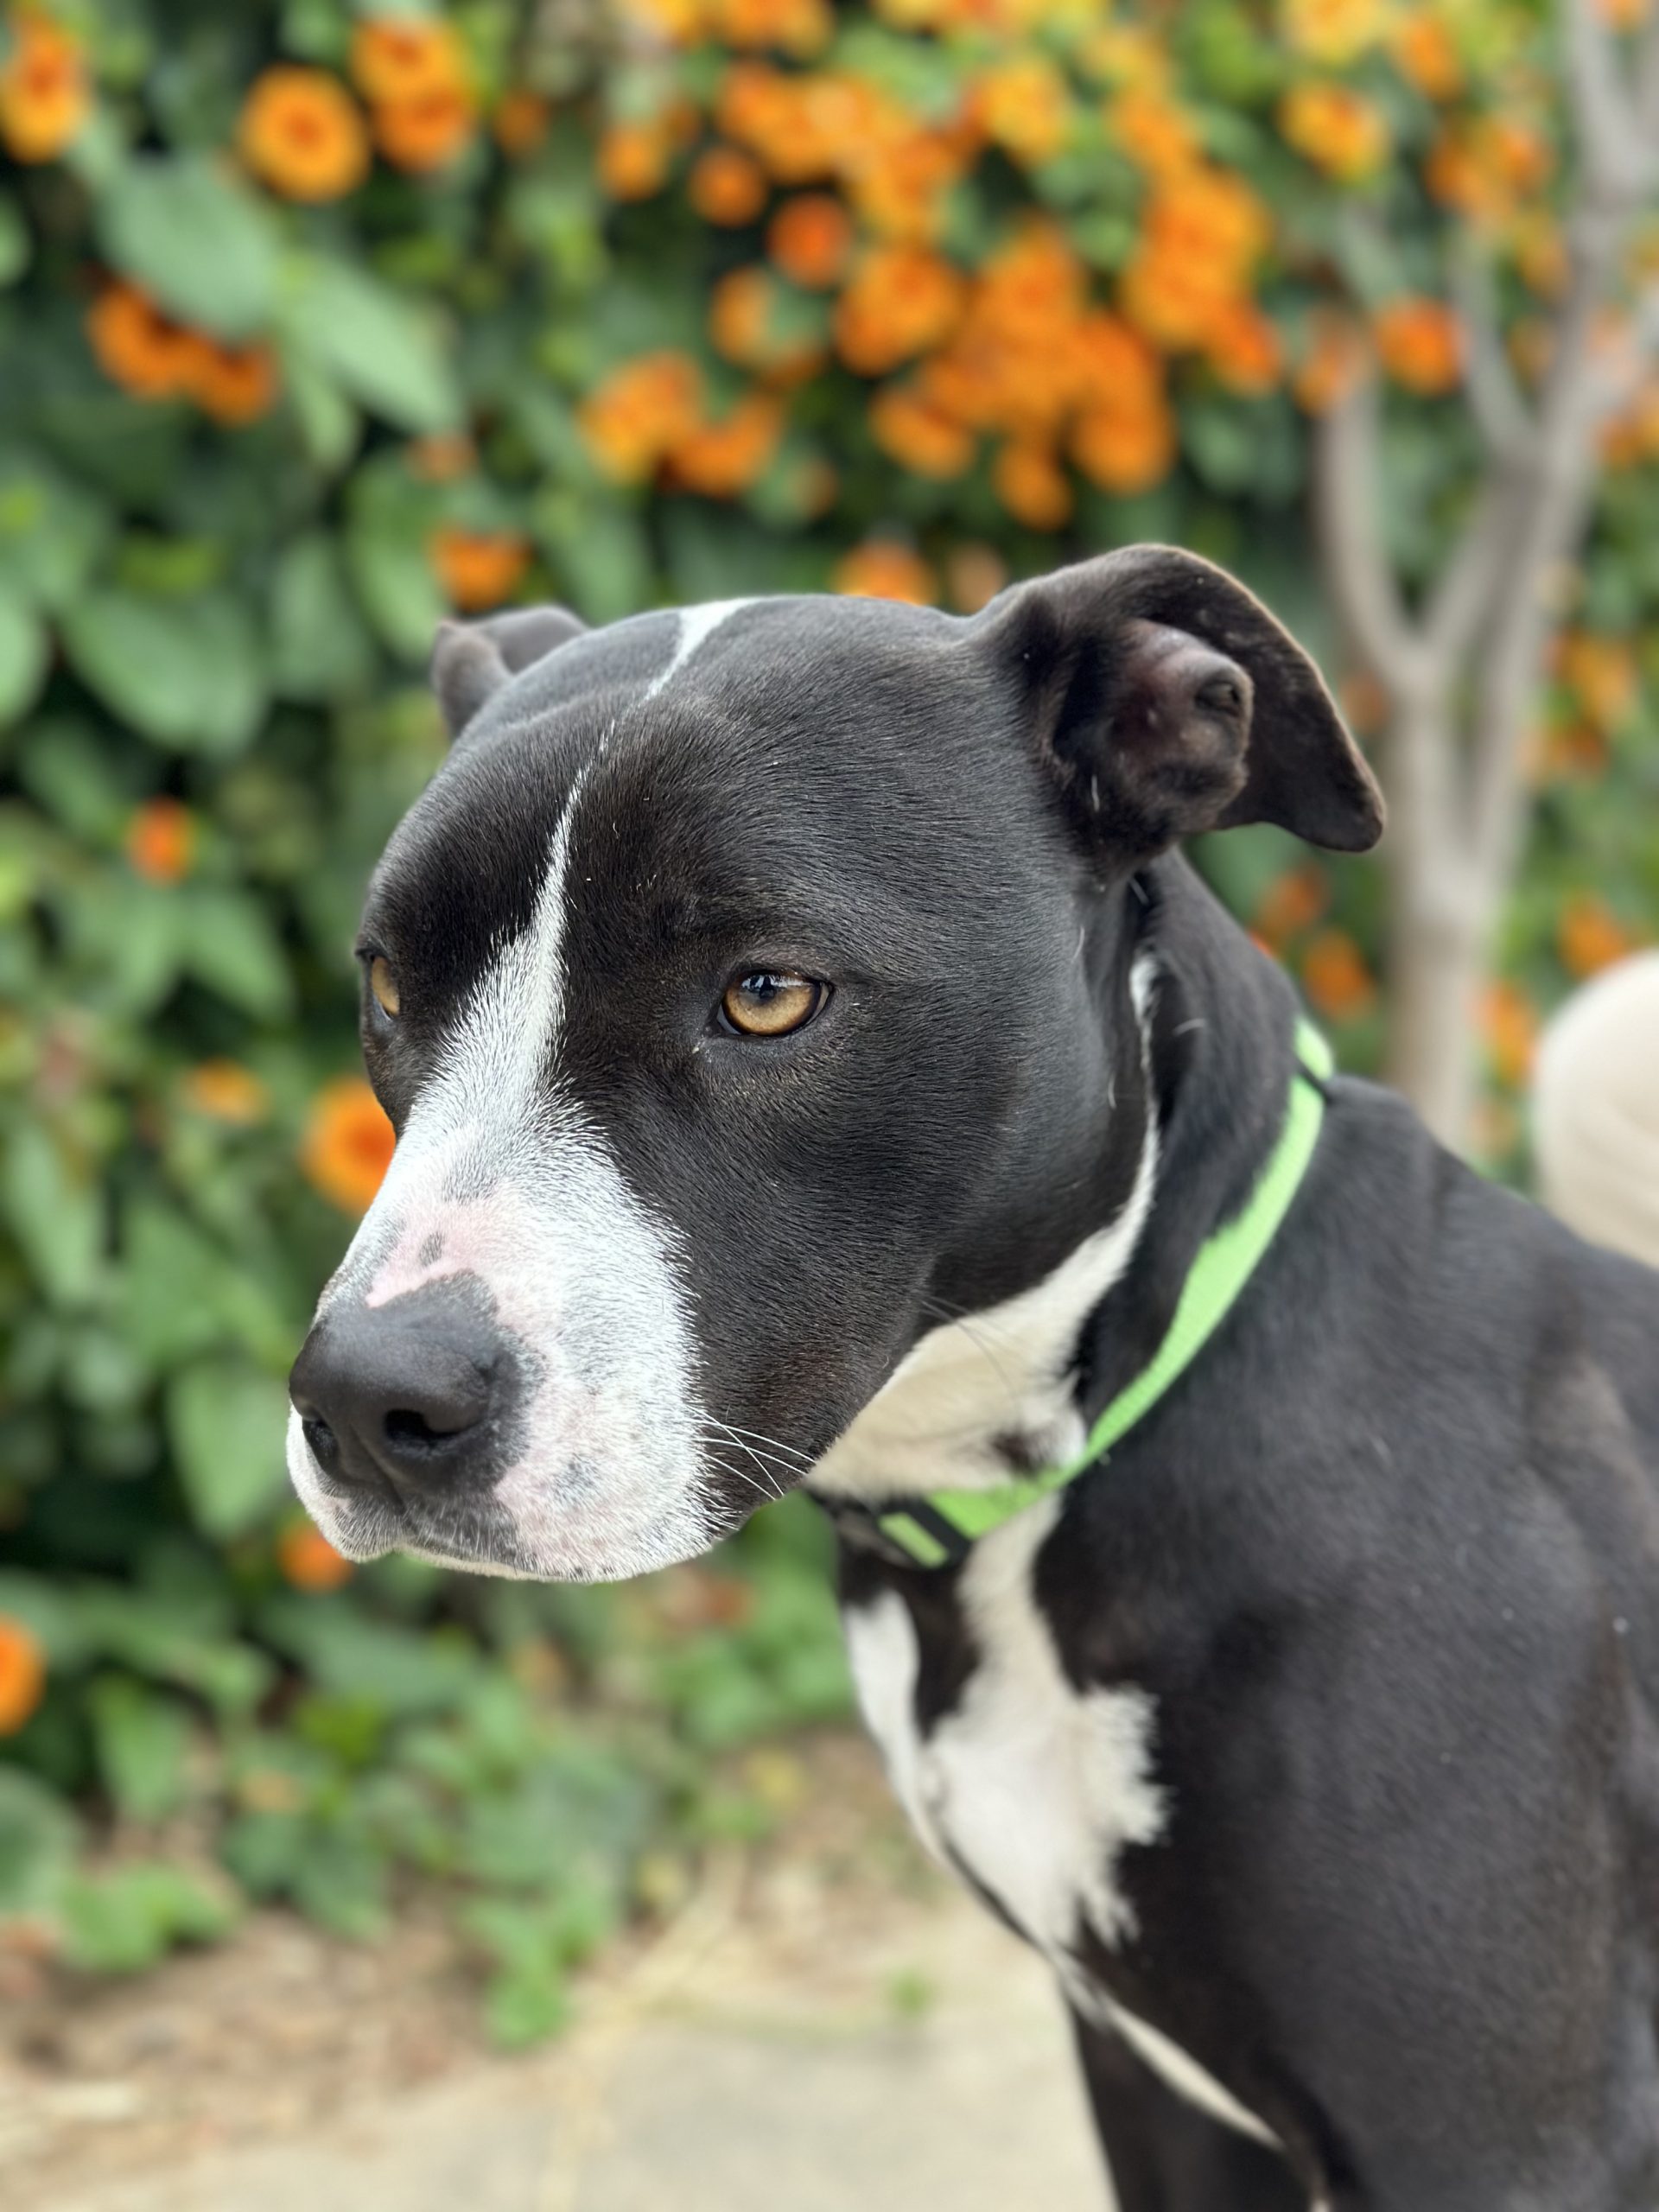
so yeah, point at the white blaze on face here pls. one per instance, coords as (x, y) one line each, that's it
(497, 1179)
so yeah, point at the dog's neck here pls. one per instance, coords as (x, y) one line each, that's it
(1011, 1388)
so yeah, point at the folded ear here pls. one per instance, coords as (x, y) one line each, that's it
(1165, 700)
(472, 660)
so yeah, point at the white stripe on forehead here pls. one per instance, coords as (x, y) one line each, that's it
(696, 623)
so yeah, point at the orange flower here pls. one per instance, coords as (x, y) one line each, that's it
(722, 459)
(1425, 54)
(233, 384)
(640, 412)
(225, 1091)
(1031, 485)
(1541, 251)
(406, 57)
(477, 567)
(881, 569)
(1334, 974)
(1483, 167)
(1203, 233)
(520, 122)
(1590, 936)
(901, 299)
(798, 27)
(1025, 107)
(347, 1144)
(1333, 31)
(1508, 1021)
(427, 132)
(808, 240)
(160, 840)
(1292, 902)
(1334, 358)
(746, 325)
(1336, 129)
(727, 186)
(137, 346)
(1624, 15)
(917, 436)
(1151, 130)
(301, 133)
(1245, 349)
(1126, 449)
(1602, 673)
(633, 159)
(309, 1560)
(22, 1674)
(1420, 343)
(44, 93)
(974, 574)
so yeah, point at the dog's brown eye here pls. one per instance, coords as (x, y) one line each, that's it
(384, 984)
(767, 1005)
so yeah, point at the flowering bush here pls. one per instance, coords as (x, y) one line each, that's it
(321, 320)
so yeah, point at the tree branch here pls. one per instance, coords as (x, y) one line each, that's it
(1348, 518)
(1495, 396)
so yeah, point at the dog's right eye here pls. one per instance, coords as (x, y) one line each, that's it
(384, 984)
(767, 1005)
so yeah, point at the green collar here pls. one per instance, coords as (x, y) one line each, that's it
(937, 1529)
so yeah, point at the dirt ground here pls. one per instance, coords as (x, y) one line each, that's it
(822, 2025)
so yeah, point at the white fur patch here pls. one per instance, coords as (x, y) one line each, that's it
(1030, 1786)
(495, 1178)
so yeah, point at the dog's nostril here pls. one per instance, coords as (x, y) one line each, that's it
(406, 1424)
(323, 1443)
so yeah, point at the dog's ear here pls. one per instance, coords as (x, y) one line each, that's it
(472, 660)
(1164, 700)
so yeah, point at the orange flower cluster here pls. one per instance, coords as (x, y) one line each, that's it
(1336, 129)
(1024, 355)
(22, 1674)
(1203, 232)
(1602, 674)
(648, 419)
(636, 153)
(225, 1091)
(347, 1144)
(154, 358)
(301, 133)
(412, 70)
(797, 28)
(1339, 983)
(1333, 31)
(309, 1560)
(1420, 343)
(1024, 105)
(1485, 167)
(827, 127)
(726, 187)
(477, 568)
(1292, 903)
(1425, 54)
(882, 568)
(44, 89)
(810, 240)
(160, 840)
(1590, 936)
(748, 325)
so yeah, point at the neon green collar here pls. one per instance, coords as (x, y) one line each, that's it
(937, 1529)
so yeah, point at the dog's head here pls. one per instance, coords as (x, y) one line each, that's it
(727, 991)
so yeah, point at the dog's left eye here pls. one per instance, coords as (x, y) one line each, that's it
(384, 984)
(765, 1004)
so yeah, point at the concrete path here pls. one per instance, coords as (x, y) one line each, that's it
(713, 2078)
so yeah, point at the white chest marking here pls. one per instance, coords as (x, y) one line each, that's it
(1032, 1787)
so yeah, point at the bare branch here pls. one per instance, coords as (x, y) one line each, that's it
(1615, 159)
(1495, 396)
(1348, 510)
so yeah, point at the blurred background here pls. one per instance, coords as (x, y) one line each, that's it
(320, 321)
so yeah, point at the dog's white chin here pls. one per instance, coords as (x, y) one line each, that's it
(621, 1530)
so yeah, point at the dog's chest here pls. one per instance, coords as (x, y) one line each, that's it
(1029, 1787)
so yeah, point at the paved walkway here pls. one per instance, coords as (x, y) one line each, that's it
(714, 2078)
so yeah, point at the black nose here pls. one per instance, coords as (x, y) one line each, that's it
(415, 1394)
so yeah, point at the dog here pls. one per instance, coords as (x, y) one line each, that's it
(813, 1062)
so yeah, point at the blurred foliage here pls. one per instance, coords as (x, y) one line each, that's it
(317, 320)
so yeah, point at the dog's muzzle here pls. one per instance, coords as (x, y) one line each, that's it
(410, 1402)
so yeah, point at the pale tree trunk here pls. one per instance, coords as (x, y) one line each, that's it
(1462, 674)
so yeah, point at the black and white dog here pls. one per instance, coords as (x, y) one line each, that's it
(811, 1062)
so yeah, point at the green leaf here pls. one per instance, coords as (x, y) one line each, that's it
(383, 348)
(38, 1836)
(142, 1741)
(186, 672)
(394, 583)
(232, 947)
(122, 1922)
(24, 653)
(195, 239)
(526, 2005)
(15, 246)
(55, 1210)
(320, 649)
(52, 532)
(227, 1423)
